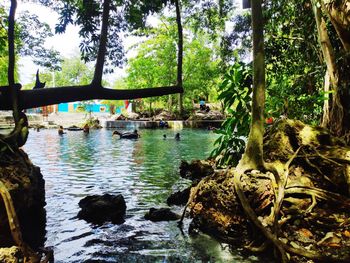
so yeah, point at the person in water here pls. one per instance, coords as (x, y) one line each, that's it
(86, 128)
(177, 136)
(164, 136)
(60, 130)
(127, 135)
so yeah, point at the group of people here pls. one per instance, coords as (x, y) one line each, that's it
(86, 129)
(122, 135)
(177, 136)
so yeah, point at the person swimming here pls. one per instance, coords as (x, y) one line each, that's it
(86, 128)
(60, 130)
(177, 136)
(164, 136)
(127, 135)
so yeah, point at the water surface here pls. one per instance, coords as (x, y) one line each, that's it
(144, 171)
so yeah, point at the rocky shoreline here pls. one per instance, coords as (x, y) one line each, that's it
(26, 185)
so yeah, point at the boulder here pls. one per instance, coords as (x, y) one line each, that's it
(203, 115)
(120, 117)
(101, 208)
(161, 214)
(196, 170)
(179, 198)
(132, 116)
(26, 186)
(165, 115)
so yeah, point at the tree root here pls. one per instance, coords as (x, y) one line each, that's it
(282, 247)
(281, 180)
(343, 202)
(30, 255)
(17, 137)
(258, 249)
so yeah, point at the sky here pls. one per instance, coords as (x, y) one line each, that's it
(67, 44)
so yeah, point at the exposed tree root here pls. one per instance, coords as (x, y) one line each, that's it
(282, 247)
(299, 202)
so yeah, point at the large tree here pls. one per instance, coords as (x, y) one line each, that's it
(13, 98)
(336, 56)
(253, 155)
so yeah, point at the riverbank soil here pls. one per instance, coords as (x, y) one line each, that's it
(26, 187)
(298, 207)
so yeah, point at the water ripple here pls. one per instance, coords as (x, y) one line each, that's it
(144, 171)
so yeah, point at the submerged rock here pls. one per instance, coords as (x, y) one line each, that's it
(161, 214)
(101, 208)
(179, 198)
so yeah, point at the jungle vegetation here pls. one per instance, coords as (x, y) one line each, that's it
(300, 69)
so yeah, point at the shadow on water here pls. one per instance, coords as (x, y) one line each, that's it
(144, 171)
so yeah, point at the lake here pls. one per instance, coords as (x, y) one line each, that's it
(144, 171)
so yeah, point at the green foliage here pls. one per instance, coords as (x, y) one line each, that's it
(155, 64)
(294, 70)
(30, 36)
(235, 93)
(131, 14)
(74, 72)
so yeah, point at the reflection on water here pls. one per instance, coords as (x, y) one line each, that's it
(144, 171)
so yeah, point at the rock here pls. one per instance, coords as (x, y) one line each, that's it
(132, 116)
(211, 115)
(120, 117)
(196, 170)
(99, 209)
(11, 255)
(179, 198)
(161, 214)
(26, 185)
(165, 115)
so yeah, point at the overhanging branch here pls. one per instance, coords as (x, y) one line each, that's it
(49, 96)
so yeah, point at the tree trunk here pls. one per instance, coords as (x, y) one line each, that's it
(13, 91)
(180, 54)
(339, 14)
(253, 155)
(325, 117)
(170, 103)
(103, 44)
(336, 118)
